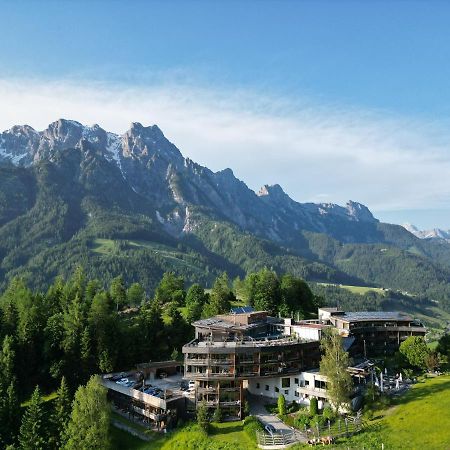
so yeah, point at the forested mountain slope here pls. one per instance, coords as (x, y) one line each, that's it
(133, 205)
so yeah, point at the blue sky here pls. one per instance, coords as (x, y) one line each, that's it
(334, 100)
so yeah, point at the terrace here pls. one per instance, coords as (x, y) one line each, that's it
(270, 341)
(155, 392)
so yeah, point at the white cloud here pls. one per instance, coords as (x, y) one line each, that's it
(316, 152)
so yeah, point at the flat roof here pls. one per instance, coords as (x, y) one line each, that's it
(218, 322)
(318, 326)
(362, 316)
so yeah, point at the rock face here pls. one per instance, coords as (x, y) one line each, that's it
(155, 169)
(435, 233)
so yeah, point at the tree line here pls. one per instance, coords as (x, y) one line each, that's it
(80, 327)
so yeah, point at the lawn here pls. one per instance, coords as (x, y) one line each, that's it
(222, 436)
(421, 418)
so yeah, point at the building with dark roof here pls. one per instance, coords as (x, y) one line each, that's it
(374, 333)
(249, 351)
(229, 350)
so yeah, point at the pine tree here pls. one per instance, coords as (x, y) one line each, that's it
(7, 361)
(61, 413)
(32, 435)
(9, 414)
(196, 298)
(220, 298)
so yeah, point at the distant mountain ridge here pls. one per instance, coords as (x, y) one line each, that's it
(132, 204)
(435, 233)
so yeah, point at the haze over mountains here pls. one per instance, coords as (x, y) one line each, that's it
(132, 204)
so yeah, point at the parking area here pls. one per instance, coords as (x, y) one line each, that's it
(173, 383)
(168, 386)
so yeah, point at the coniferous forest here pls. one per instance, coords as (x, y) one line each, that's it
(55, 341)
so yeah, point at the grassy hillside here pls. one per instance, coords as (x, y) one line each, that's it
(223, 436)
(420, 419)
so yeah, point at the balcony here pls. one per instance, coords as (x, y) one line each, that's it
(313, 391)
(248, 374)
(230, 403)
(197, 362)
(207, 390)
(221, 362)
(247, 342)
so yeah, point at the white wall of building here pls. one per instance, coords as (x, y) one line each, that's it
(295, 388)
(306, 332)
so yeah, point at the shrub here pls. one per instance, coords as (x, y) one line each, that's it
(302, 420)
(281, 405)
(217, 416)
(318, 419)
(328, 414)
(251, 426)
(293, 407)
(246, 409)
(202, 416)
(369, 414)
(385, 401)
(313, 406)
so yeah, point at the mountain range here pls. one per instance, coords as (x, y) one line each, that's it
(131, 204)
(435, 233)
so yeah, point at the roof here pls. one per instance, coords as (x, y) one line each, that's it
(362, 316)
(216, 322)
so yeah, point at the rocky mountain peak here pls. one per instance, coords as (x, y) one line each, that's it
(359, 212)
(154, 168)
(274, 190)
(149, 142)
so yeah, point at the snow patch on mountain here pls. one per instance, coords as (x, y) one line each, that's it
(435, 233)
(113, 149)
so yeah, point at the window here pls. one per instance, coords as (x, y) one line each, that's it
(277, 389)
(286, 392)
(258, 386)
(267, 387)
(285, 382)
(296, 394)
(306, 382)
(296, 381)
(320, 384)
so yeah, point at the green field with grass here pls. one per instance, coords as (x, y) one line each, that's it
(355, 289)
(222, 436)
(421, 418)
